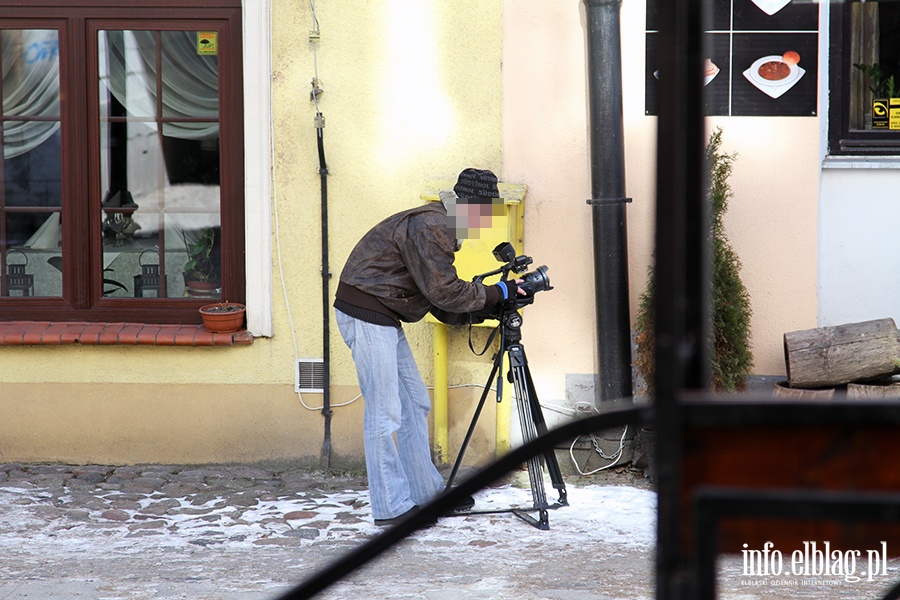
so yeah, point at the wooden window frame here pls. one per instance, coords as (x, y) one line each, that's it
(77, 24)
(842, 140)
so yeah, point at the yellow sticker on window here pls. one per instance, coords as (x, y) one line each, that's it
(208, 42)
(894, 113)
(880, 114)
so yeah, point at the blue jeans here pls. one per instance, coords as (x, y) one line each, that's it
(401, 474)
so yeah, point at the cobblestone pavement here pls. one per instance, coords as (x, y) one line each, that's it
(232, 532)
(241, 533)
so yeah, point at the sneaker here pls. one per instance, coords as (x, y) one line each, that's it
(397, 519)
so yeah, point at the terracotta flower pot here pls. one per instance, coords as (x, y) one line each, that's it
(223, 317)
(202, 289)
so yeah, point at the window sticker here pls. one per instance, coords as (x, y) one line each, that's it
(207, 42)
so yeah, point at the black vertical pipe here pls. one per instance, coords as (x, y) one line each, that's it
(608, 201)
(681, 273)
(325, 458)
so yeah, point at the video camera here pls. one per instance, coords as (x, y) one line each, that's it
(532, 283)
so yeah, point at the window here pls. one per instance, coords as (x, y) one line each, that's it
(865, 75)
(122, 173)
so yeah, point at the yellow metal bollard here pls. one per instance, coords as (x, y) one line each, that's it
(441, 449)
(475, 258)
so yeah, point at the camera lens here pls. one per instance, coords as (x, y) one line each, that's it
(536, 281)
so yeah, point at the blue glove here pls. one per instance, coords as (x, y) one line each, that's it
(508, 289)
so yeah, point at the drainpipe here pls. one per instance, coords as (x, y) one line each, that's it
(608, 200)
(325, 458)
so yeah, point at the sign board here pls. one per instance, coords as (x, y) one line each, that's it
(761, 58)
(880, 113)
(207, 42)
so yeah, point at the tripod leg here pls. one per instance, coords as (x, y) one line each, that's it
(533, 417)
(529, 432)
(541, 426)
(526, 402)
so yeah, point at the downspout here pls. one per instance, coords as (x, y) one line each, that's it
(325, 458)
(608, 200)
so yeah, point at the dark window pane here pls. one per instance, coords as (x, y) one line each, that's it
(31, 192)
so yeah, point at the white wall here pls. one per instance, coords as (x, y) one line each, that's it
(859, 245)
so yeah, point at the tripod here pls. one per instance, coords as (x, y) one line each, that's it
(531, 420)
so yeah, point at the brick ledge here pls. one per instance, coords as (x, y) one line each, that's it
(48, 333)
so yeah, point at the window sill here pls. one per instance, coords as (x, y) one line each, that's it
(861, 162)
(47, 333)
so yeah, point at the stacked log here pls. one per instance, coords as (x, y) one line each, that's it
(783, 390)
(874, 390)
(852, 355)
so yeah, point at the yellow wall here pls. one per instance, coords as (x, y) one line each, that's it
(411, 93)
(109, 423)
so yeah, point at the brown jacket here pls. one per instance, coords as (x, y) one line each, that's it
(406, 263)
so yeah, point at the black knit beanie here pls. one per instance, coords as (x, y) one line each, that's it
(476, 183)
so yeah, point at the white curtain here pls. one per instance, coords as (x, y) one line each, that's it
(190, 81)
(30, 88)
(30, 62)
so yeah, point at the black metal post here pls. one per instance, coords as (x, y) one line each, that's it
(608, 201)
(681, 273)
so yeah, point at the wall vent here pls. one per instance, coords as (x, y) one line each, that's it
(310, 375)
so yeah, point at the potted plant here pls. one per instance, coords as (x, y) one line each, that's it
(201, 277)
(223, 317)
(876, 112)
(732, 358)
(882, 84)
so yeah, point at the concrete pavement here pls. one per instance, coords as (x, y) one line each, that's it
(227, 532)
(236, 532)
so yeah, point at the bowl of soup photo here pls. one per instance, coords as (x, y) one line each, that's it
(776, 70)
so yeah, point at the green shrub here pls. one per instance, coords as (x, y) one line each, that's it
(732, 359)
